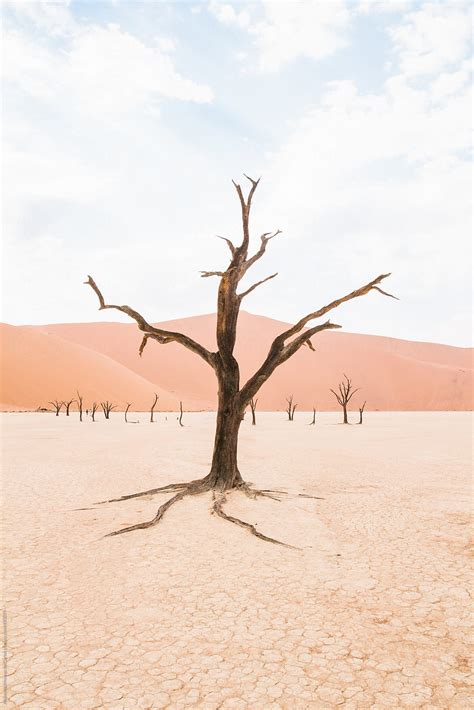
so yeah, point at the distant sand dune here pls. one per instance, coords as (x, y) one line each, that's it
(43, 362)
(37, 368)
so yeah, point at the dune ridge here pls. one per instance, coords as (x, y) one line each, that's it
(48, 361)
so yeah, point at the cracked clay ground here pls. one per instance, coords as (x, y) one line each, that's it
(371, 612)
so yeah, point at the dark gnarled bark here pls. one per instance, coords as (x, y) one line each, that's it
(233, 396)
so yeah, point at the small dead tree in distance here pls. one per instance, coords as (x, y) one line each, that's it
(94, 409)
(313, 421)
(233, 396)
(180, 414)
(79, 405)
(290, 408)
(361, 412)
(346, 392)
(153, 407)
(253, 409)
(67, 406)
(129, 404)
(107, 408)
(57, 406)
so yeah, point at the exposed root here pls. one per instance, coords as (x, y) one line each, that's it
(154, 521)
(266, 491)
(255, 493)
(153, 491)
(218, 509)
(204, 485)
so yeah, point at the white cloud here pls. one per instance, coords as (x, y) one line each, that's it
(359, 182)
(289, 30)
(228, 15)
(384, 6)
(166, 44)
(104, 71)
(382, 184)
(113, 72)
(52, 16)
(433, 38)
(449, 83)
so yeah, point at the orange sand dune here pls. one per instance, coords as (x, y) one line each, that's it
(37, 368)
(392, 374)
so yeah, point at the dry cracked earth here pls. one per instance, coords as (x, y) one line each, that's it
(373, 610)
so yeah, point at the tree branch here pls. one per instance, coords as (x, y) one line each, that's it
(249, 290)
(277, 355)
(280, 352)
(265, 238)
(205, 274)
(371, 286)
(294, 345)
(245, 207)
(162, 336)
(229, 244)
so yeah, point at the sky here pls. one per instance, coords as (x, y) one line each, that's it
(124, 123)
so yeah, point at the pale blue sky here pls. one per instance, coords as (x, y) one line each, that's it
(124, 122)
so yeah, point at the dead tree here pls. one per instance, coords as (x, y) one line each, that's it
(361, 412)
(180, 414)
(153, 407)
(79, 404)
(57, 406)
(253, 409)
(67, 406)
(129, 404)
(290, 408)
(313, 421)
(345, 394)
(233, 395)
(94, 409)
(107, 408)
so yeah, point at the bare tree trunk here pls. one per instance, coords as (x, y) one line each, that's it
(57, 406)
(344, 395)
(153, 407)
(126, 411)
(253, 408)
(313, 421)
(79, 405)
(361, 412)
(290, 409)
(94, 410)
(181, 414)
(67, 406)
(107, 408)
(232, 398)
(224, 474)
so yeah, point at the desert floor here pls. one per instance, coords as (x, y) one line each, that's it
(371, 612)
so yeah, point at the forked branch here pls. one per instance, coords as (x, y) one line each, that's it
(371, 286)
(231, 246)
(346, 391)
(245, 205)
(264, 239)
(280, 350)
(278, 354)
(162, 336)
